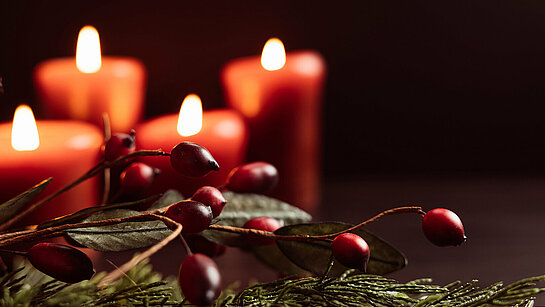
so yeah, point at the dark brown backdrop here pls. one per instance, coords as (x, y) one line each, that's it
(412, 85)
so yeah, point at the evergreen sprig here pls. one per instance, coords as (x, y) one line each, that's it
(372, 290)
(141, 286)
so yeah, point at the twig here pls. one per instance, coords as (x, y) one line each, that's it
(326, 237)
(92, 172)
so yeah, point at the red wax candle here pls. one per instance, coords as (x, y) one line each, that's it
(223, 133)
(283, 109)
(67, 149)
(90, 85)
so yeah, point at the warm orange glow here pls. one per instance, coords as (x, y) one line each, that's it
(88, 58)
(190, 119)
(24, 133)
(274, 55)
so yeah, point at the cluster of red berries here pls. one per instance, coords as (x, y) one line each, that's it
(131, 180)
(441, 227)
(199, 277)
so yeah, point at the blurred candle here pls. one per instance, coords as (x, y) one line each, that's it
(280, 96)
(33, 151)
(223, 132)
(86, 87)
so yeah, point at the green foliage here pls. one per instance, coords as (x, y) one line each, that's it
(373, 290)
(143, 287)
(21, 201)
(314, 256)
(119, 237)
(140, 287)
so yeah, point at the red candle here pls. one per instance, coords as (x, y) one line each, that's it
(90, 85)
(222, 132)
(64, 150)
(282, 104)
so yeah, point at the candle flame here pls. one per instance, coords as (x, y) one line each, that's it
(88, 59)
(190, 119)
(24, 132)
(274, 55)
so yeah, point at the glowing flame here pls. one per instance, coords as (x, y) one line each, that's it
(274, 55)
(88, 58)
(24, 133)
(190, 119)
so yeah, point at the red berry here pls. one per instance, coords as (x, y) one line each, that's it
(443, 227)
(192, 160)
(351, 251)
(255, 177)
(194, 216)
(61, 262)
(137, 178)
(262, 223)
(200, 244)
(118, 145)
(199, 279)
(212, 197)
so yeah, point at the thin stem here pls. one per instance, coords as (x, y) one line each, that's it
(38, 234)
(326, 237)
(398, 210)
(107, 172)
(92, 172)
(186, 246)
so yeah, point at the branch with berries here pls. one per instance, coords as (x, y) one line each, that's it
(344, 260)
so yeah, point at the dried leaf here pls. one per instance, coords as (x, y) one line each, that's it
(244, 206)
(75, 217)
(19, 202)
(119, 237)
(314, 255)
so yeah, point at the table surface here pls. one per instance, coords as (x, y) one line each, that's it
(502, 214)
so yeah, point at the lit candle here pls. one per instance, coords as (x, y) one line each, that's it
(223, 132)
(280, 96)
(86, 87)
(33, 151)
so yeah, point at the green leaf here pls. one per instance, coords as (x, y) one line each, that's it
(19, 202)
(314, 255)
(169, 197)
(75, 217)
(119, 237)
(244, 206)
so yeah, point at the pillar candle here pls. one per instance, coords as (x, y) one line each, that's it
(66, 150)
(280, 96)
(223, 133)
(89, 85)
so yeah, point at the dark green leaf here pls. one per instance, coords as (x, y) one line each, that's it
(244, 206)
(169, 197)
(314, 256)
(76, 217)
(19, 202)
(119, 237)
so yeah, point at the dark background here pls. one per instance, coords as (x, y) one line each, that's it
(413, 86)
(438, 103)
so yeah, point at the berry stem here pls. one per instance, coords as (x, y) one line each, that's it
(186, 246)
(92, 172)
(326, 237)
